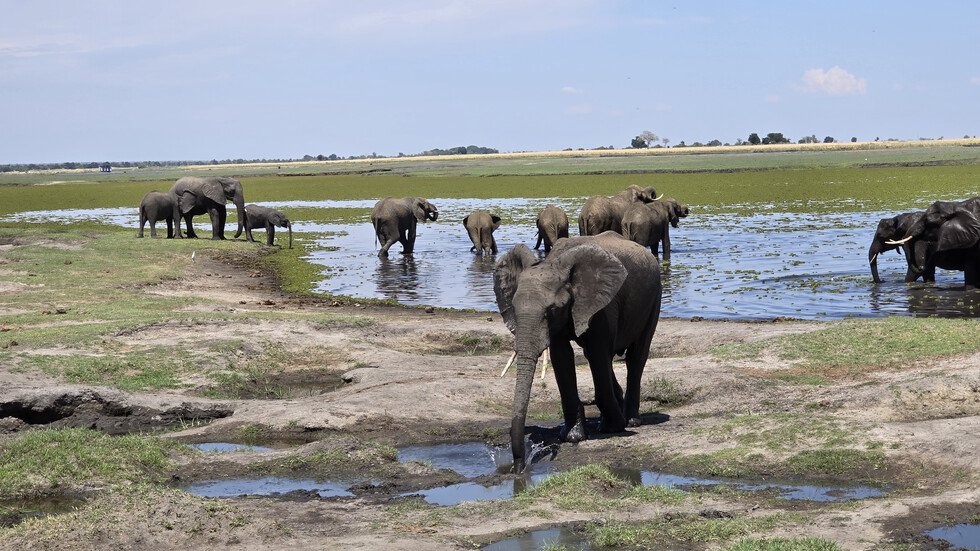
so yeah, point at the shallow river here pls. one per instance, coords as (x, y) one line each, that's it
(776, 261)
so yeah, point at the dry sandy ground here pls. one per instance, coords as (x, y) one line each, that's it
(399, 392)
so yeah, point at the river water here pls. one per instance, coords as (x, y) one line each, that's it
(743, 262)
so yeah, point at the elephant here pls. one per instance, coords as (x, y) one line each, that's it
(892, 229)
(480, 226)
(158, 205)
(266, 218)
(954, 228)
(604, 293)
(648, 224)
(196, 195)
(552, 225)
(600, 213)
(396, 219)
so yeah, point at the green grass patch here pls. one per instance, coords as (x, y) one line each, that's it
(783, 431)
(837, 462)
(855, 348)
(784, 544)
(683, 529)
(40, 462)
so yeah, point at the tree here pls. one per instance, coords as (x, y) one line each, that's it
(828, 139)
(773, 138)
(754, 139)
(666, 141)
(649, 137)
(854, 139)
(638, 143)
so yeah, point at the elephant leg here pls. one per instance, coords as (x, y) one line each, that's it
(600, 362)
(270, 233)
(971, 274)
(563, 365)
(409, 240)
(170, 228)
(493, 245)
(190, 228)
(538, 244)
(153, 228)
(218, 216)
(636, 359)
(142, 223)
(666, 242)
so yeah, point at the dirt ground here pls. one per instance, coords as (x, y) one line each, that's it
(407, 382)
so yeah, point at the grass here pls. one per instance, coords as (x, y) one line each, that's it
(784, 544)
(676, 530)
(47, 461)
(779, 432)
(854, 349)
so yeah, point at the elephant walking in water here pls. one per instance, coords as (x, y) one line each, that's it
(395, 220)
(196, 195)
(649, 224)
(480, 226)
(552, 225)
(600, 213)
(268, 219)
(950, 232)
(155, 206)
(602, 292)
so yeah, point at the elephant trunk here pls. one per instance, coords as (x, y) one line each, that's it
(289, 227)
(522, 394)
(873, 253)
(239, 201)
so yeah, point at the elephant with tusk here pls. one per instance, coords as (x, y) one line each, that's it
(948, 234)
(604, 293)
(196, 195)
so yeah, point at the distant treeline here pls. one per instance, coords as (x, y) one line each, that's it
(461, 150)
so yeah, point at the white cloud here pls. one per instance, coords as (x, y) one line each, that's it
(571, 90)
(834, 81)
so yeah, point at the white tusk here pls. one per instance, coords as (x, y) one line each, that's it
(873, 258)
(510, 362)
(544, 364)
(659, 198)
(901, 242)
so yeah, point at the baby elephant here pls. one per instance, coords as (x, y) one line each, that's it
(258, 218)
(552, 226)
(480, 225)
(158, 205)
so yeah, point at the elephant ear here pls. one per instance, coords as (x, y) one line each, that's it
(595, 276)
(505, 276)
(418, 208)
(960, 231)
(465, 220)
(213, 190)
(496, 221)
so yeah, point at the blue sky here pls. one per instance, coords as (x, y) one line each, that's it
(217, 79)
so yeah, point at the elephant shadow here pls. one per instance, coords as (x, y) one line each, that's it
(550, 436)
(398, 276)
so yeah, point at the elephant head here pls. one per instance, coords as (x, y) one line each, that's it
(222, 189)
(635, 193)
(424, 210)
(553, 299)
(889, 230)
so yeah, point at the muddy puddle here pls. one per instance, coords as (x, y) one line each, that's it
(960, 536)
(479, 463)
(553, 538)
(18, 510)
(774, 261)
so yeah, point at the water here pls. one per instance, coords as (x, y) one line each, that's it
(267, 486)
(776, 261)
(224, 447)
(556, 538)
(786, 490)
(961, 536)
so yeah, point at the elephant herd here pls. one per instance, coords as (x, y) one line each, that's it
(636, 213)
(945, 235)
(192, 195)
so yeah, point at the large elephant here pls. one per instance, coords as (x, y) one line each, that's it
(395, 220)
(155, 206)
(604, 293)
(480, 226)
(889, 231)
(648, 224)
(196, 195)
(552, 225)
(600, 213)
(268, 219)
(954, 228)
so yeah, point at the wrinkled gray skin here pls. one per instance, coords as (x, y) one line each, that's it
(552, 225)
(196, 195)
(648, 224)
(155, 206)
(600, 213)
(395, 220)
(480, 226)
(894, 229)
(954, 227)
(604, 293)
(268, 219)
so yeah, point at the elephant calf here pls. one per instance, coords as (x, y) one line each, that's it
(258, 218)
(158, 205)
(552, 226)
(480, 226)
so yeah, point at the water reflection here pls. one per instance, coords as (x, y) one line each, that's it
(740, 262)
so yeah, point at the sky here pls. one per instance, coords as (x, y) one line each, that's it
(103, 80)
